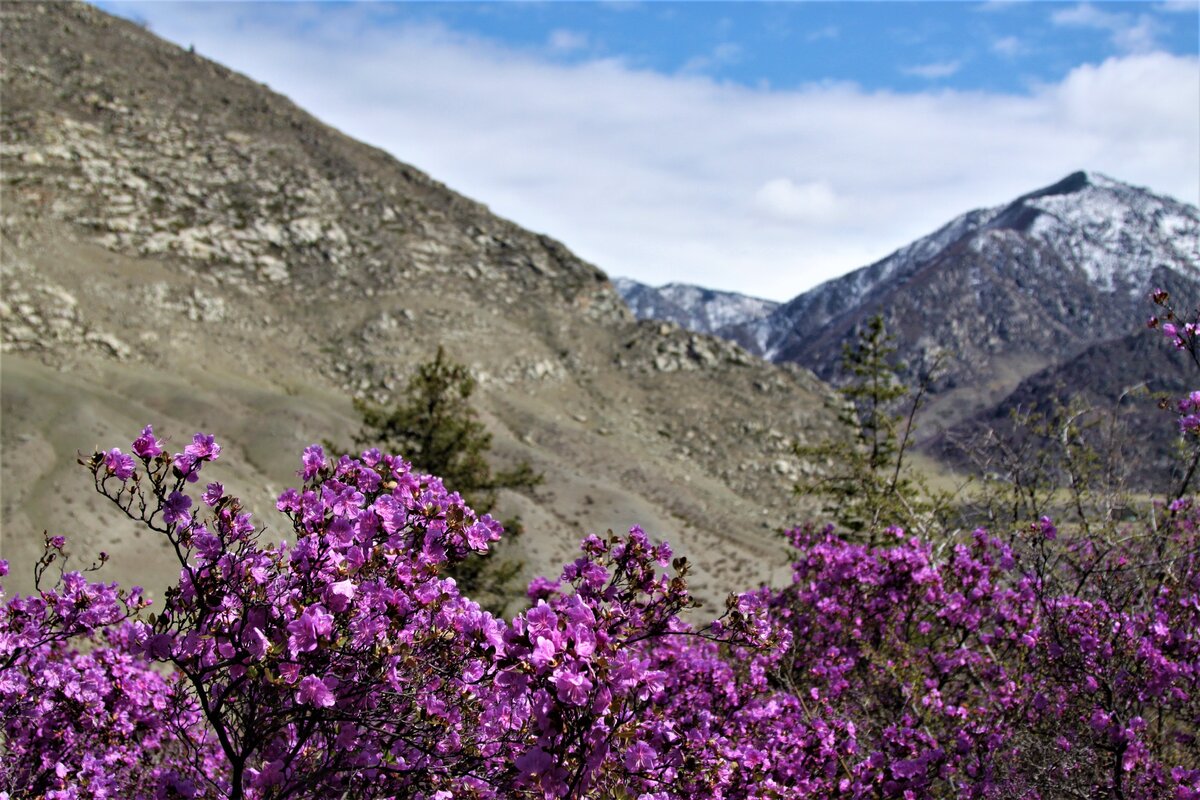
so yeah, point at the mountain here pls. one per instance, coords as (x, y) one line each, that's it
(1005, 292)
(693, 307)
(183, 246)
(1122, 381)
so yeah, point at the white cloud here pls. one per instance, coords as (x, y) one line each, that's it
(933, 71)
(724, 53)
(781, 198)
(1141, 37)
(1128, 33)
(565, 41)
(1085, 15)
(999, 5)
(1179, 6)
(1008, 46)
(680, 177)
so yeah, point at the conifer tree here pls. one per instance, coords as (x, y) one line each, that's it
(866, 483)
(435, 428)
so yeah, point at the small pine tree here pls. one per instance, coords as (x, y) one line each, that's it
(435, 428)
(868, 486)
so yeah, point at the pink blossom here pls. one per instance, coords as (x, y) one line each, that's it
(119, 464)
(573, 687)
(313, 691)
(146, 446)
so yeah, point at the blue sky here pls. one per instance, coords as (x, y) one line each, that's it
(758, 147)
(901, 46)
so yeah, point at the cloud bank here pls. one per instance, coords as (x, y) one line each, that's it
(685, 178)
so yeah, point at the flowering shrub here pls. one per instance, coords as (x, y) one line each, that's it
(1039, 662)
(80, 706)
(1036, 667)
(343, 664)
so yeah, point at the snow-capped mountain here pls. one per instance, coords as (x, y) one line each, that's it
(1006, 291)
(693, 307)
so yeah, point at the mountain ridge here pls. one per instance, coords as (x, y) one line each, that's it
(693, 307)
(1007, 290)
(1001, 296)
(183, 246)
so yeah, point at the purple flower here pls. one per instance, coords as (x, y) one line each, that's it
(344, 500)
(213, 494)
(241, 526)
(1046, 525)
(206, 543)
(203, 448)
(543, 652)
(314, 623)
(119, 464)
(314, 692)
(541, 621)
(176, 508)
(256, 642)
(640, 756)
(541, 588)
(535, 762)
(313, 460)
(289, 500)
(573, 687)
(908, 769)
(146, 446)
(584, 638)
(339, 595)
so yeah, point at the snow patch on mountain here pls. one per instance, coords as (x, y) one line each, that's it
(1118, 234)
(1113, 235)
(693, 307)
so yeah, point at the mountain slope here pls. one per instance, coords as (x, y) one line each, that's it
(1005, 291)
(694, 307)
(1119, 380)
(183, 246)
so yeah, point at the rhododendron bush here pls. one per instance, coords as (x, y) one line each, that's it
(1039, 662)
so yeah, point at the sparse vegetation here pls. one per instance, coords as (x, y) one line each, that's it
(434, 426)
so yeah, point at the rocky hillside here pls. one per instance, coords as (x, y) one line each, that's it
(185, 247)
(694, 307)
(1004, 292)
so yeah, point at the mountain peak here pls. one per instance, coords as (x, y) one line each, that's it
(1009, 289)
(1068, 185)
(1079, 182)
